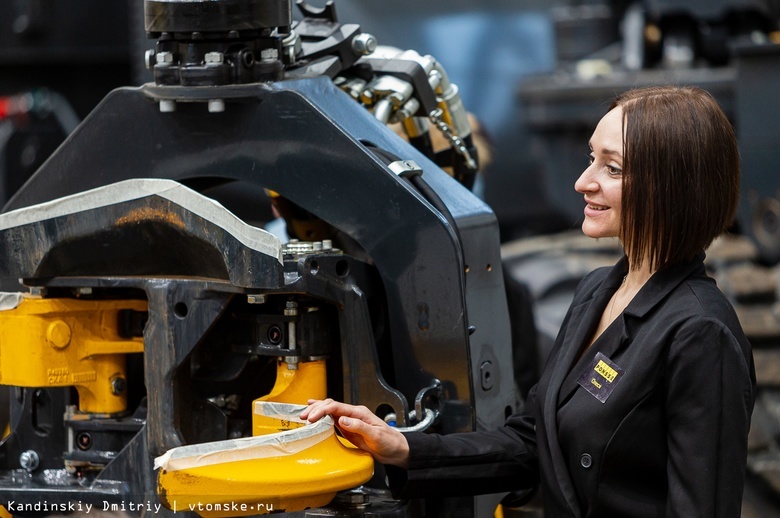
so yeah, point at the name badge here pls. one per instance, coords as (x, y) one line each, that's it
(600, 377)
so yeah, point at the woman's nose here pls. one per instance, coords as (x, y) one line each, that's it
(586, 183)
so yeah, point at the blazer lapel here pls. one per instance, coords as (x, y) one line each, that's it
(590, 317)
(574, 329)
(580, 327)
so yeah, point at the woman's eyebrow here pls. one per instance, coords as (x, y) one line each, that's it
(606, 151)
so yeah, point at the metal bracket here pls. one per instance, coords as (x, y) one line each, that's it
(405, 168)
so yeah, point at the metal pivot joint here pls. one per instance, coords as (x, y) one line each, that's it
(425, 416)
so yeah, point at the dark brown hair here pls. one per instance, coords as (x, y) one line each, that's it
(680, 174)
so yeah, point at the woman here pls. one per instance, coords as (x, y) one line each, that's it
(644, 406)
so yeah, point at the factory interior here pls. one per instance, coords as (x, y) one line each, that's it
(213, 209)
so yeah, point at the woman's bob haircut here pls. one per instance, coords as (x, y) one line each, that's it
(680, 174)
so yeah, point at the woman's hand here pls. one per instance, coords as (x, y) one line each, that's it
(364, 429)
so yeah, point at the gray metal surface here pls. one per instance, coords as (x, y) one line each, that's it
(303, 139)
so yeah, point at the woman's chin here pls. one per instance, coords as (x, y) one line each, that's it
(597, 232)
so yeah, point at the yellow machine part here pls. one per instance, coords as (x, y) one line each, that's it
(297, 386)
(310, 478)
(4, 513)
(283, 482)
(69, 342)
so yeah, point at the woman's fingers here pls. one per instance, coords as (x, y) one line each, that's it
(362, 428)
(319, 409)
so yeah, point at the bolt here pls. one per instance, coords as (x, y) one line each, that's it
(214, 58)
(216, 106)
(58, 334)
(167, 106)
(84, 291)
(118, 385)
(291, 309)
(327, 244)
(255, 299)
(164, 57)
(364, 44)
(354, 498)
(267, 55)
(38, 291)
(29, 460)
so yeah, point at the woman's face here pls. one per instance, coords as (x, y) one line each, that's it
(602, 182)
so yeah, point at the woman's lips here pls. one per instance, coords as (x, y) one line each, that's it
(592, 209)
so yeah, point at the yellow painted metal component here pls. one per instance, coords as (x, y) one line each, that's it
(281, 477)
(297, 386)
(289, 483)
(68, 342)
(283, 474)
(4, 513)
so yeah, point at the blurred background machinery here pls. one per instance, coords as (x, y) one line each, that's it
(537, 76)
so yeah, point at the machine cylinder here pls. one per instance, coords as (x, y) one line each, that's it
(187, 16)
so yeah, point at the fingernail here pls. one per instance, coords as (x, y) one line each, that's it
(345, 421)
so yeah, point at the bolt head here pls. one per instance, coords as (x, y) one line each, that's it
(38, 291)
(167, 106)
(29, 460)
(164, 57)
(58, 334)
(214, 58)
(216, 106)
(255, 299)
(269, 55)
(364, 44)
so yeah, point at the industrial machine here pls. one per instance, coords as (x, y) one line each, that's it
(155, 348)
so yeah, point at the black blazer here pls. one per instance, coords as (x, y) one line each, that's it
(670, 439)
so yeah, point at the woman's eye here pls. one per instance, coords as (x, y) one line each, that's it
(613, 170)
(591, 158)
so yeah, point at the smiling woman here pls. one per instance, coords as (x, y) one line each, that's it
(644, 406)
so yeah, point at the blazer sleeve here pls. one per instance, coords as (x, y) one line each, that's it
(710, 392)
(471, 463)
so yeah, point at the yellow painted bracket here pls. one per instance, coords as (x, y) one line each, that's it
(69, 342)
(4, 513)
(298, 468)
